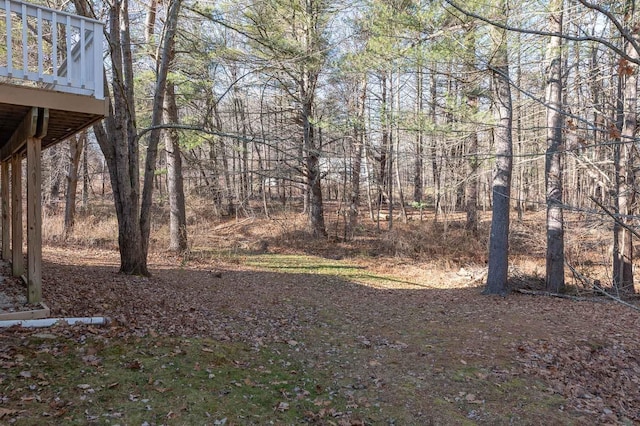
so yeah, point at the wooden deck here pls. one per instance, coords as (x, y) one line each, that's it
(51, 87)
(67, 113)
(53, 60)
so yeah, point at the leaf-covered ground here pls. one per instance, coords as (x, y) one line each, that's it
(290, 338)
(258, 325)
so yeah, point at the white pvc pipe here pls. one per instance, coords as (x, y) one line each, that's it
(48, 322)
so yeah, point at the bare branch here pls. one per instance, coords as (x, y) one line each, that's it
(619, 51)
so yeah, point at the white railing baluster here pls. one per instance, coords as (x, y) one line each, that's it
(78, 68)
(7, 9)
(98, 61)
(40, 51)
(83, 80)
(54, 48)
(25, 38)
(70, 64)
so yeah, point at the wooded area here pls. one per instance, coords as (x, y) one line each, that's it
(309, 197)
(380, 107)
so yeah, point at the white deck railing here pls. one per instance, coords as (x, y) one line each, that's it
(62, 51)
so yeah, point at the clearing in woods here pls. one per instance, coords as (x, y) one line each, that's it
(255, 325)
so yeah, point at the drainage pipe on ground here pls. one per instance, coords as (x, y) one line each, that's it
(48, 322)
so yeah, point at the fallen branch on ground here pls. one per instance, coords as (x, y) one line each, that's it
(560, 295)
(599, 289)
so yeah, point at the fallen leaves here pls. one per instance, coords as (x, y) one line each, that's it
(380, 348)
(134, 365)
(7, 412)
(282, 406)
(597, 376)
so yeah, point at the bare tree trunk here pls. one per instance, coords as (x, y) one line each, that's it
(241, 129)
(471, 196)
(164, 62)
(625, 176)
(310, 140)
(367, 172)
(383, 160)
(388, 129)
(316, 213)
(118, 137)
(435, 163)
(357, 146)
(553, 163)
(521, 171)
(119, 144)
(150, 23)
(85, 177)
(499, 240)
(228, 189)
(403, 210)
(76, 144)
(175, 183)
(418, 185)
(261, 169)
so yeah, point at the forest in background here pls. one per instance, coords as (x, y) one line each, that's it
(378, 107)
(322, 190)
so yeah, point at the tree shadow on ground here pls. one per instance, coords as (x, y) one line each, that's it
(416, 351)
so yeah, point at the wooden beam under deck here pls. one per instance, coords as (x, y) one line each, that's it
(68, 113)
(5, 210)
(34, 220)
(27, 129)
(17, 261)
(29, 133)
(40, 107)
(37, 97)
(32, 119)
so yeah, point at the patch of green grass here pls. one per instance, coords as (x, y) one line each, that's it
(161, 381)
(494, 399)
(303, 264)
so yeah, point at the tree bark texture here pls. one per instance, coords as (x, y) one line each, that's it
(501, 185)
(76, 144)
(175, 183)
(164, 63)
(119, 144)
(357, 147)
(418, 186)
(625, 179)
(553, 162)
(471, 188)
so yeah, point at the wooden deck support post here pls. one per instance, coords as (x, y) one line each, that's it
(5, 205)
(30, 133)
(34, 220)
(17, 261)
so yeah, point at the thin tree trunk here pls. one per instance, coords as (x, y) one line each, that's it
(357, 146)
(123, 157)
(163, 65)
(499, 239)
(435, 167)
(553, 163)
(471, 196)
(418, 186)
(85, 176)
(316, 213)
(175, 183)
(390, 160)
(628, 77)
(75, 153)
(228, 188)
(382, 175)
(403, 210)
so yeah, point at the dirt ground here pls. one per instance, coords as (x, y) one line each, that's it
(423, 345)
